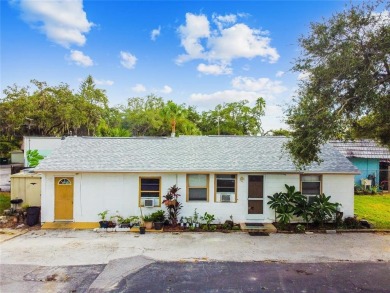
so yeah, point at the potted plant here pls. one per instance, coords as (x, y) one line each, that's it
(142, 228)
(103, 223)
(195, 217)
(158, 219)
(148, 221)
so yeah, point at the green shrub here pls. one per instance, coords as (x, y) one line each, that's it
(352, 223)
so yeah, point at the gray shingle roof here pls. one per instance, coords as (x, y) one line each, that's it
(184, 154)
(368, 149)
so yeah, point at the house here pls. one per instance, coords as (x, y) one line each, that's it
(372, 160)
(43, 144)
(222, 175)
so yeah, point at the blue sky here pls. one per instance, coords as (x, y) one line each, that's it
(200, 53)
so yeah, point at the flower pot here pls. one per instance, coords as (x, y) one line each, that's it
(148, 225)
(142, 230)
(103, 224)
(158, 225)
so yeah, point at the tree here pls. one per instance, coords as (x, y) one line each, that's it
(346, 61)
(235, 118)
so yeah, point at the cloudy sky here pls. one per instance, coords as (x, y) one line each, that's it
(196, 52)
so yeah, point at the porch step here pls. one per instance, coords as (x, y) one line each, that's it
(258, 228)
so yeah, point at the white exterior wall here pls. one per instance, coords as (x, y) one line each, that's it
(95, 192)
(340, 188)
(44, 145)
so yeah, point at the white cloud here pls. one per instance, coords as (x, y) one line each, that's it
(248, 88)
(63, 22)
(226, 96)
(262, 85)
(166, 89)
(214, 69)
(240, 41)
(224, 20)
(103, 82)
(196, 27)
(138, 88)
(80, 59)
(155, 33)
(304, 75)
(128, 60)
(279, 73)
(228, 41)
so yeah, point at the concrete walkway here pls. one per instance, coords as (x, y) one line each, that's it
(67, 247)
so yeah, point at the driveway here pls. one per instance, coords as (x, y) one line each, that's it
(86, 261)
(60, 247)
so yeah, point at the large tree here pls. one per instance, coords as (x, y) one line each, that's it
(346, 62)
(236, 118)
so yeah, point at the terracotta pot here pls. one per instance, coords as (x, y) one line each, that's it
(148, 225)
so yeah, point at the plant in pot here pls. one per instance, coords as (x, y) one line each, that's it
(158, 219)
(195, 218)
(103, 215)
(142, 227)
(148, 221)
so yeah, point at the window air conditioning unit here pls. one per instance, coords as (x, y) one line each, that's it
(148, 203)
(225, 197)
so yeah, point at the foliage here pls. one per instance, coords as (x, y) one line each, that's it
(300, 228)
(352, 223)
(290, 203)
(172, 204)
(284, 204)
(279, 132)
(347, 90)
(375, 209)
(323, 210)
(33, 158)
(148, 218)
(158, 216)
(208, 218)
(233, 118)
(5, 202)
(103, 215)
(195, 217)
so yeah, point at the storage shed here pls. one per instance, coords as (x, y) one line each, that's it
(26, 186)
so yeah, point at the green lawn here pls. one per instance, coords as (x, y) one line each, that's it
(5, 198)
(374, 208)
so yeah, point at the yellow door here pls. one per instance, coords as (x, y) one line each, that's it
(63, 206)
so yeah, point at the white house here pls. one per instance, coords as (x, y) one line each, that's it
(43, 144)
(221, 175)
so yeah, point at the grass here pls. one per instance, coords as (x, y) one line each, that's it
(5, 204)
(375, 209)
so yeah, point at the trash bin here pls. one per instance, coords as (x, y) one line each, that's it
(3, 161)
(33, 214)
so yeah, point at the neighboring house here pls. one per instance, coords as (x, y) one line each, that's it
(222, 175)
(372, 160)
(45, 145)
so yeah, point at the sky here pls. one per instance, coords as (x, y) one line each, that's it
(201, 53)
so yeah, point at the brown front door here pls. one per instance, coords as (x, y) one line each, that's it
(255, 194)
(63, 206)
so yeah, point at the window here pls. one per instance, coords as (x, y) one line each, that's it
(225, 187)
(197, 187)
(226, 183)
(149, 189)
(64, 181)
(311, 186)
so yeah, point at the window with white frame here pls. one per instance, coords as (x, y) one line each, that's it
(197, 187)
(311, 186)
